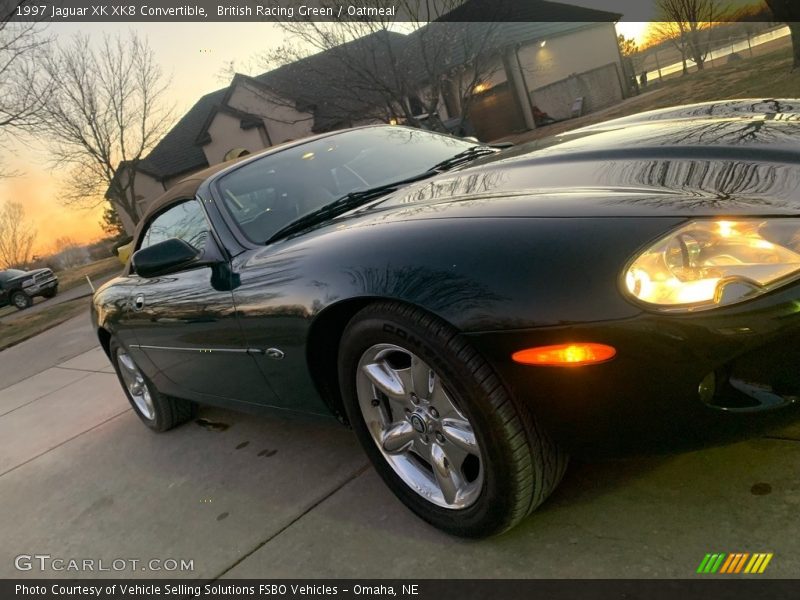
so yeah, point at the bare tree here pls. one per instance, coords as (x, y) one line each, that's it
(67, 253)
(671, 33)
(106, 111)
(459, 56)
(21, 94)
(789, 11)
(692, 18)
(364, 69)
(17, 235)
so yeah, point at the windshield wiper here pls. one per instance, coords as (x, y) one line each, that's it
(467, 155)
(343, 204)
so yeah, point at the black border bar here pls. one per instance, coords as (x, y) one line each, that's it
(141, 11)
(732, 588)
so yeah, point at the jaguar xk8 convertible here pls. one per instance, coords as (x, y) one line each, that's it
(477, 314)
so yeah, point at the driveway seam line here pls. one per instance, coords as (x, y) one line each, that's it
(31, 459)
(77, 354)
(82, 370)
(260, 545)
(29, 402)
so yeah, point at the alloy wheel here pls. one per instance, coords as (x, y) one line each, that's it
(418, 427)
(136, 385)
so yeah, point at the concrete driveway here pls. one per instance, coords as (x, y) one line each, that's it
(244, 496)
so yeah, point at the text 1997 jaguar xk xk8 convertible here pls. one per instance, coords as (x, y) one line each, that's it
(476, 314)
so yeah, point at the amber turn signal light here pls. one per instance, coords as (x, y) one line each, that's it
(565, 355)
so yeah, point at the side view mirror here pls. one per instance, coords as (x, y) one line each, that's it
(164, 257)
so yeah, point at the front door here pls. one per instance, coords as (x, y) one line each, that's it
(187, 327)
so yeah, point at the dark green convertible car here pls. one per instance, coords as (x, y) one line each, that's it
(477, 314)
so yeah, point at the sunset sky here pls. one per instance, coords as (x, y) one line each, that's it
(194, 54)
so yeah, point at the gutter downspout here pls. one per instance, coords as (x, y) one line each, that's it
(527, 104)
(623, 86)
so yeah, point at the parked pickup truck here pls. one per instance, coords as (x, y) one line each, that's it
(18, 288)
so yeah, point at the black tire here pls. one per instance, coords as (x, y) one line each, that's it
(522, 465)
(51, 293)
(168, 412)
(20, 300)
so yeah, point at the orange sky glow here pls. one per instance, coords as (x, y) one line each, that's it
(38, 191)
(634, 30)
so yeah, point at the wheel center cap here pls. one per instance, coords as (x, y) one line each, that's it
(418, 423)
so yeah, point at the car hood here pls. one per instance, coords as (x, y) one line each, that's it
(28, 275)
(738, 157)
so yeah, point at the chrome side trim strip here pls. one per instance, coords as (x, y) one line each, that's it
(273, 353)
(200, 350)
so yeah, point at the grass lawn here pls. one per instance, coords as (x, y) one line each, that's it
(71, 278)
(765, 76)
(27, 326)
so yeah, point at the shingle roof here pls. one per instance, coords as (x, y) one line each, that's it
(323, 81)
(178, 152)
(540, 11)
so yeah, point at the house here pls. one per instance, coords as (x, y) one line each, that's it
(540, 57)
(254, 113)
(544, 56)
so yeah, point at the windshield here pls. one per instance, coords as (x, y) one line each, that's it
(266, 195)
(10, 274)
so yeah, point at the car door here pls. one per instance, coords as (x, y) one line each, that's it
(261, 197)
(187, 326)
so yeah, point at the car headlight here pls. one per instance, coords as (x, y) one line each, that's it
(28, 283)
(706, 264)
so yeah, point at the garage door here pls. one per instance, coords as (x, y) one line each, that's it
(495, 113)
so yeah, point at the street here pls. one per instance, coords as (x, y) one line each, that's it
(245, 496)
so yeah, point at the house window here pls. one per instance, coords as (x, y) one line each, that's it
(235, 153)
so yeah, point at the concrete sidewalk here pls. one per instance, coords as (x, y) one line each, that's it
(46, 350)
(244, 496)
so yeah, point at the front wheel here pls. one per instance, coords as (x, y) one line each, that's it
(157, 411)
(438, 425)
(21, 300)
